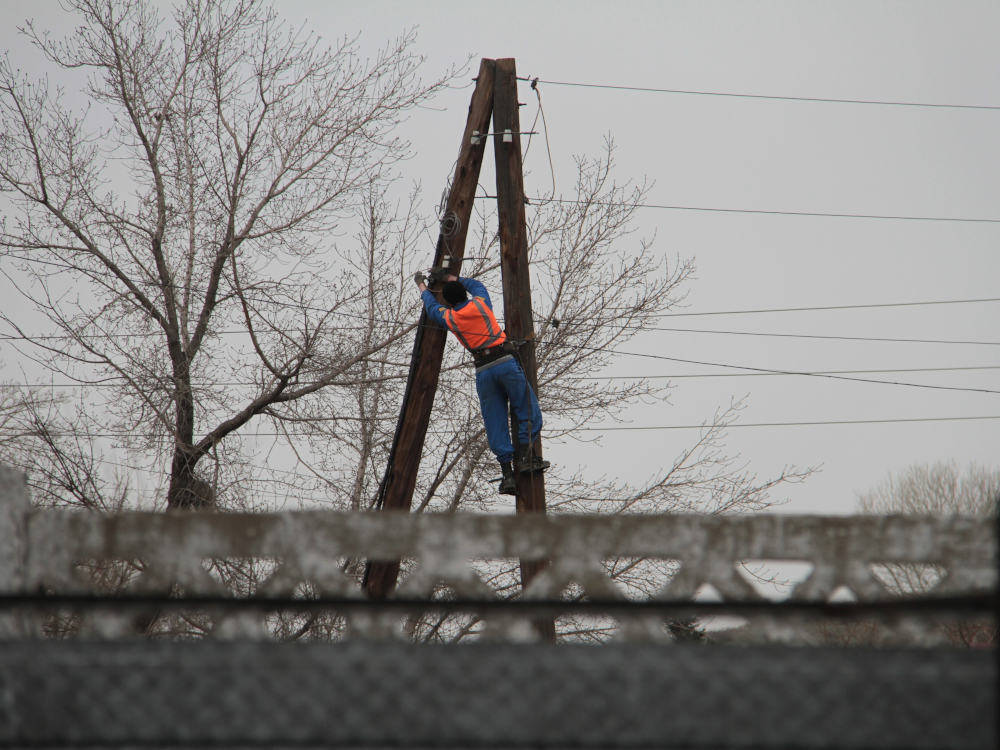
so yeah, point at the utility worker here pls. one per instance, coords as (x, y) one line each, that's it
(499, 378)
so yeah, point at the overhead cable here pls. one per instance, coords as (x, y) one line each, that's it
(361, 316)
(819, 336)
(775, 212)
(653, 376)
(785, 372)
(775, 374)
(772, 371)
(742, 367)
(828, 307)
(774, 97)
(650, 328)
(548, 147)
(341, 313)
(816, 423)
(809, 308)
(604, 428)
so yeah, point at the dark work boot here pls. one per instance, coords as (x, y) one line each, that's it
(527, 462)
(508, 485)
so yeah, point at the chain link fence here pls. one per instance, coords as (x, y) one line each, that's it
(381, 695)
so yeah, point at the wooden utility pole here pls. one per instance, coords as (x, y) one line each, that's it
(496, 95)
(396, 490)
(518, 318)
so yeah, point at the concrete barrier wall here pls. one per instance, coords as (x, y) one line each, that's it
(48, 550)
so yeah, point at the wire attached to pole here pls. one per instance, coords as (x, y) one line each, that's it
(548, 147)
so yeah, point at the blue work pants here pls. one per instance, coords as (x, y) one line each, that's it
(502, 384)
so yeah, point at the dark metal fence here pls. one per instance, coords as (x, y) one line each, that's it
(379, 695)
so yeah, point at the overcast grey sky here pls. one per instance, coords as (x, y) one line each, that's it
(760, 154)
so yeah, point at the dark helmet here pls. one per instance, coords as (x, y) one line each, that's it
(453, 292)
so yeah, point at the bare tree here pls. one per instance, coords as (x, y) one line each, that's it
(247, 267)
(939, 489)
(17, 404)
(187, 200)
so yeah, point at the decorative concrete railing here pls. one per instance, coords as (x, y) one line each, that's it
(48, 551)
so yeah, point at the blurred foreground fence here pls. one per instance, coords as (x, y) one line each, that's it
(77, 588)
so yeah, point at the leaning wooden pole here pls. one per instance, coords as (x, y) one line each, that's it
(518, 318)
(396, 489)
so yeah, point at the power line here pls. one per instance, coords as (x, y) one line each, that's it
(825, 100)
(149, 334)
(828, 307)
(788, 424)
(660, 315)
(786, 372)
(651, 328)
(40, 337)
(773, 212)
(834, 338)
(769, 370)
(609, 428)
(196, 387)
(809, 308)
(774, 374)
(165, 472)
(655, 376)
(201, 290)
(773, 371)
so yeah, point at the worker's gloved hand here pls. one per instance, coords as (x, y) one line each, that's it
(419, 278)
(438, 275)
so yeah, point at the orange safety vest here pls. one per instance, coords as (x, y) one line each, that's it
(475, 325)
